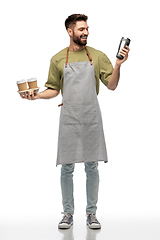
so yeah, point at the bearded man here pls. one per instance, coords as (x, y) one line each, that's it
(75, 71)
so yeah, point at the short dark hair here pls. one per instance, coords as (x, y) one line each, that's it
(72, 19)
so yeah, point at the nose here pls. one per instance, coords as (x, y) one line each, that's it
(86, 32)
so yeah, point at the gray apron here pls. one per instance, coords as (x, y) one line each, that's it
(81, 137)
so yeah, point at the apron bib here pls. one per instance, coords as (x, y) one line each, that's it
(81, 137)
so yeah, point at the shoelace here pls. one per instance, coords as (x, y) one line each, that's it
(93, 218)
(66, 217)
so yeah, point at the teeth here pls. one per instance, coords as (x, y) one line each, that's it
(84, 37)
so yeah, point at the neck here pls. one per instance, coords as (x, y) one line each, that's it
(75, 47)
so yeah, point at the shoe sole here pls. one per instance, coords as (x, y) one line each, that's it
(94, 226)
(65, 226)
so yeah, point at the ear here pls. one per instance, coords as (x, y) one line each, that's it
(70, 32)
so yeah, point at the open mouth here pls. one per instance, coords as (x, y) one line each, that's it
(83, 37)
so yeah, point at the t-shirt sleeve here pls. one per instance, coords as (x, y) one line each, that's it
(53, 77)
(106, 69)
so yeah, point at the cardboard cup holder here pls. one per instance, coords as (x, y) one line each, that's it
(32, 84)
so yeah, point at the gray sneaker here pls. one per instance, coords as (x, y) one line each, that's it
(92, 221)
(66, 222)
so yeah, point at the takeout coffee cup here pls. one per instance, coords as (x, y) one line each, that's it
(32, 83)
(22, 85)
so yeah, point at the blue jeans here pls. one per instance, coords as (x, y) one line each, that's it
(92, 186)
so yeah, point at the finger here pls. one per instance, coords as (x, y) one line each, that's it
(25, 95)
(127, 48)
(124, 50)
(28, 95)
(122, 53)
(32, 95)
(21, 95)
(35, 95)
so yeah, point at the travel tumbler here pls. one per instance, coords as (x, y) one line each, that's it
(124, 42)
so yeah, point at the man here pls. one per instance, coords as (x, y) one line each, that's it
(76, 71)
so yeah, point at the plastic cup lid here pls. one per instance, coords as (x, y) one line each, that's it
(21, 81)
(31, 80)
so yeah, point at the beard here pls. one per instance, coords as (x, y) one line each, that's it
(79, 40)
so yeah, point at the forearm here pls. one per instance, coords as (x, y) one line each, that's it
(114, 79)
(47, 94)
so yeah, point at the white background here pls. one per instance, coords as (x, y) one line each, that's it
(32, 32)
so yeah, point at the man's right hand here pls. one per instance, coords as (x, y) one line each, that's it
(30, 95)
(46, 94)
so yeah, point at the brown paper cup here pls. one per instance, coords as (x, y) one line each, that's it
(22, 85)
(32, 83)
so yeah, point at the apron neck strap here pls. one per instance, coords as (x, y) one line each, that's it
(88, 54)
(67, 57)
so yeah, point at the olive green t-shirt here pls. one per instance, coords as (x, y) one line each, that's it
(102, 66)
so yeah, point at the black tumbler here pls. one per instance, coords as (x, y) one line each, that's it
(124, 42)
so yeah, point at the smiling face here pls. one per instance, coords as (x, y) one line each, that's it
(79, 33)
